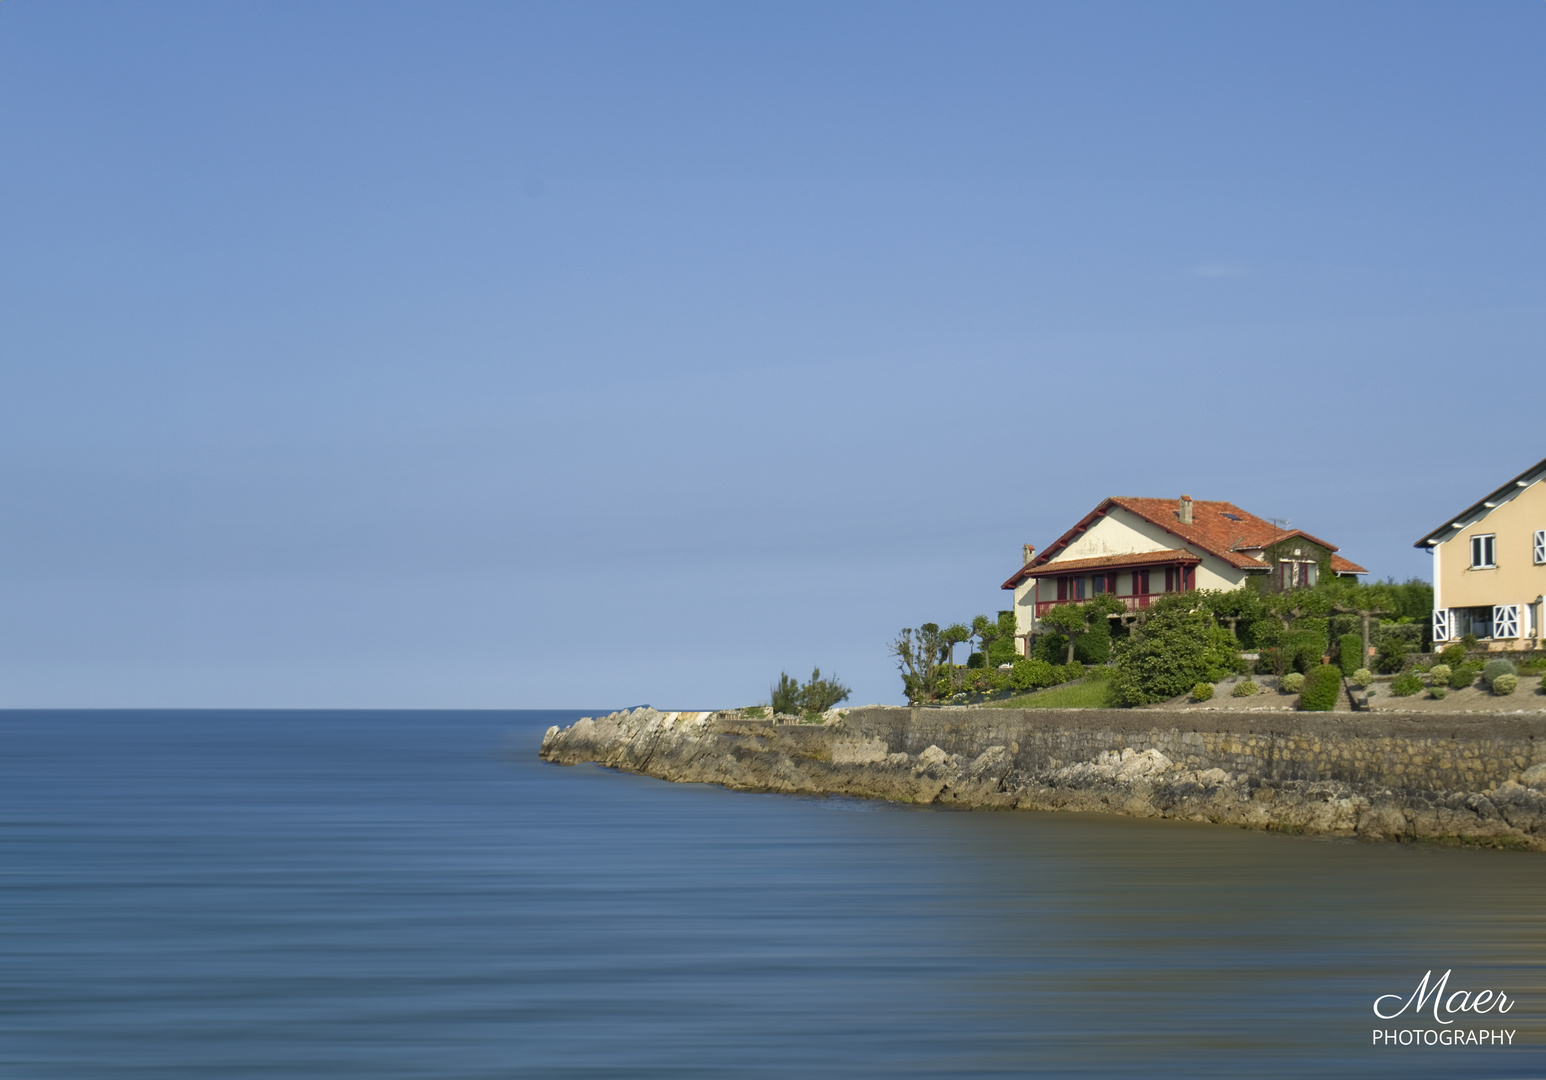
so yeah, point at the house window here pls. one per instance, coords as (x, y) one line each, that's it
(1079, 585)
(1296, 575)
(1099, 583)
(1505, 621)
(1476, 621)
(1540, 546)
(1482, 551)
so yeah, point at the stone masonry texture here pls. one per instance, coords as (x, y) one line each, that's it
(1467, 778)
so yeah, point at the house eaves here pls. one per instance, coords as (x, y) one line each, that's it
(1480, 509)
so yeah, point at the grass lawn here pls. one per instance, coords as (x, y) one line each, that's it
(1092, 692)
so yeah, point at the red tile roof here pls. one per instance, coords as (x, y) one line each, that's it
(1221, 529)
(1116, 562)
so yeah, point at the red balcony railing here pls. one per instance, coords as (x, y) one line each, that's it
(1134, 603)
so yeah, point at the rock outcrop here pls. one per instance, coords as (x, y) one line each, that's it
(1459, 779)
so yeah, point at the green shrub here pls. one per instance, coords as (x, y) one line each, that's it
(1493, 668)
(1174, 649)
(756, 712)
(1439, 674)
(1291, 683)
(1438, 693)
(1452, 654)
(1094, 646)
(1245, 688)
(1202, 691)
(1350, 652)
(785, 695)
(1405, 685)
(1306, 645)
(1462, 677)
(1070, 672)
(1053, 648)
(816, 696)
(1032, 674)
(1391, 656)
(1505, 683)
(1363, 677)
(1321, 687)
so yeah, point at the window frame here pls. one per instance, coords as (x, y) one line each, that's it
(1485, 544)
(1539, 544)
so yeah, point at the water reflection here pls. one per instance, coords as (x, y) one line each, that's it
(390, 895)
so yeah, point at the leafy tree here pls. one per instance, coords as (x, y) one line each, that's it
(953, 635)
(816, 696)
(819, 695)
(1074, 622)
(785, 695)
(920, 653)
(1177, 646)
(1002, 649)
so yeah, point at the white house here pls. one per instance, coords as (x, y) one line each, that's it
(1139, 548)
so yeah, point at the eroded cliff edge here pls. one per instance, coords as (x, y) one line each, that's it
(1467, 777)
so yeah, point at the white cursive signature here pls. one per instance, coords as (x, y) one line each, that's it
(1480, 1002)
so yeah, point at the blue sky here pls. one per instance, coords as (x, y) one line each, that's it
(587, 355)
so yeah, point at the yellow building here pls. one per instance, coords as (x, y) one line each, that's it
(1489, 566)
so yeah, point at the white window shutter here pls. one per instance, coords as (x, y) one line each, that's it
(1540, 546)
(1505, 621)
(1441, 624)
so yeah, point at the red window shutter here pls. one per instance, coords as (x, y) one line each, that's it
(1062, 588)
(1111, 583)
(1170, 579)
(1141, 582)
(1189, 578)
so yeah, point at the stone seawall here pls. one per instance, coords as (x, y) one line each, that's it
(1472, 778)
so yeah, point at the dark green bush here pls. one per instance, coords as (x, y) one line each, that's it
(1053, 648)
(1438, 693)
(1094, 646)
(1306, 645)
(1405, 685)
(816, 696)
(1493, 668)
(1463, 676)
(1321, 687)
(1391, 656)
(1350, 652)
(1070, 672)
(1175, 649)
(1032, 674)
(1452, 654)
(786, 695)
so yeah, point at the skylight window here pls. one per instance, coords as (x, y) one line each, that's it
(1231, 517)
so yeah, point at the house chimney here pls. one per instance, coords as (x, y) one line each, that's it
(1184, 509)
(1028, 553)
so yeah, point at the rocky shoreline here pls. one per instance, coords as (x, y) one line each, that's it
(1464, 778)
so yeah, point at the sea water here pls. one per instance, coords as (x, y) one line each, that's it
(415, 894)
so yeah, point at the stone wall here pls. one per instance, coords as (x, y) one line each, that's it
(1470, 752)
(1473, 777)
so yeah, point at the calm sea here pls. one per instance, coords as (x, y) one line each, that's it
(290, 894)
